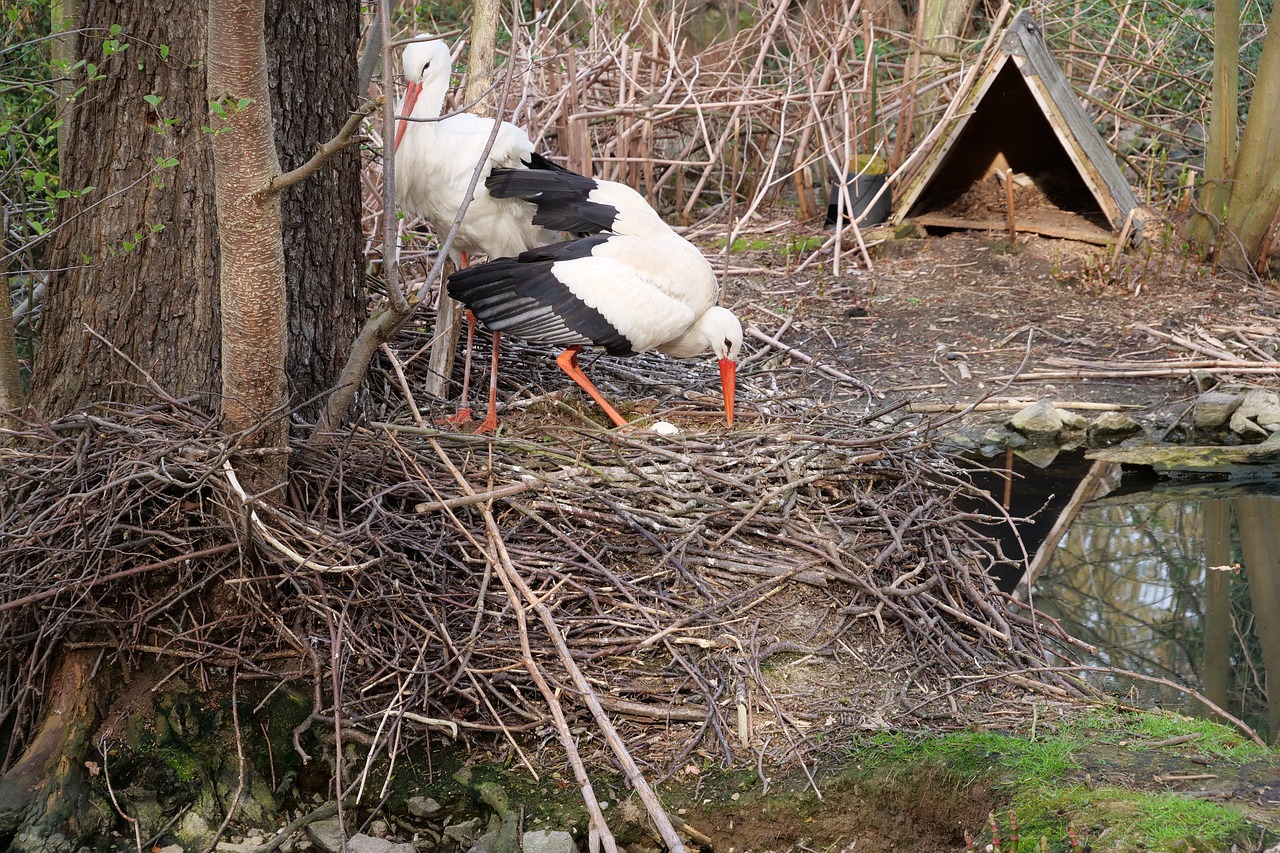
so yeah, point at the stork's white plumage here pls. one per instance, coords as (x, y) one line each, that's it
(627, 293)
(435, 161)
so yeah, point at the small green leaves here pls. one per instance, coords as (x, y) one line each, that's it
(153, 100)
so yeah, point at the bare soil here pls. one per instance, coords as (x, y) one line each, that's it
(949, 320)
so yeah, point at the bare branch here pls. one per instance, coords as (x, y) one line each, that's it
(344, 137)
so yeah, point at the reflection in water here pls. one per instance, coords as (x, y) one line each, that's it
(1177, 583)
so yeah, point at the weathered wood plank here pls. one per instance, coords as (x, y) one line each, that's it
(1050, 223)
(1050, 87)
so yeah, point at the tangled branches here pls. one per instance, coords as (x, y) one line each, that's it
(675, 580)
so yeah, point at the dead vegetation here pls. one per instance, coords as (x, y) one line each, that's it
(414, 577)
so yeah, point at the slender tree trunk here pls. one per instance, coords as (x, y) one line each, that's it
(10, 374)
(1258, 517)
(1217, 600)
(249, 229)
(1246, 210)
(941, 24)
(1224, 107)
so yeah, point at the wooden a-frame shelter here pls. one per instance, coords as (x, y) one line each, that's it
(1020, 119)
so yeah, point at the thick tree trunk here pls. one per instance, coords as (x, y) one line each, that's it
(151, 292)
(137, 260)
(313, 50)
(43, 796)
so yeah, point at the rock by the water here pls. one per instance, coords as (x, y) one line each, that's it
(1213, 409)
(1073, 420)
(1114, 425)
(1039, 420)
(548, 841)
(999, 437)
(1259, 413)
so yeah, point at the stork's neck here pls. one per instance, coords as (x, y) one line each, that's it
(431, 101)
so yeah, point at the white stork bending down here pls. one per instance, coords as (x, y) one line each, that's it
(626, 293)
(434, 164)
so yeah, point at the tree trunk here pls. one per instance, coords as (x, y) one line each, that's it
(313, 50)
(152, 293)
(1224, 107)
(44, 795)
(1248, 212)
(249, 231)
(942, 22)
(137, 260)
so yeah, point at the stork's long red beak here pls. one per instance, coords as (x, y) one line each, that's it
(728, 381)
(411, 93)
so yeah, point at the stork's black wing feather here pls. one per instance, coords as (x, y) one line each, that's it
(524, 297)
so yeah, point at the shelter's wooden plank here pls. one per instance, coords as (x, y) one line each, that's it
(1049, 223)
(1050, 87)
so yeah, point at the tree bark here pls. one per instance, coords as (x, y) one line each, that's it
(313, 51)
(1224, 96)
(249, 230)
(1246, 211)
(135, 259)
(44, 794)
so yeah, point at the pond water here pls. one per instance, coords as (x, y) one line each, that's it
(1171, 579)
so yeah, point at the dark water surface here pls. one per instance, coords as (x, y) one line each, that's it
(1172, 579)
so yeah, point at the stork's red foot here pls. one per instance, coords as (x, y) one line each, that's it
(460, 418)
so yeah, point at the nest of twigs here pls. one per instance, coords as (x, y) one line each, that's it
(735, 588)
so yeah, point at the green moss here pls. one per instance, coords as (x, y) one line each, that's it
(1138, 730)
(1111, 818)
(1043, 779)
(185, 765)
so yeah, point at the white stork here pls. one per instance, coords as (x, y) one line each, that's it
(434, 164)
(627, 293)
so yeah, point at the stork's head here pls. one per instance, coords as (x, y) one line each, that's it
(724, 335)
(425, 63)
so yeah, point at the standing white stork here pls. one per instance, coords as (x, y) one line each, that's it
(434, 164)
(627, 293)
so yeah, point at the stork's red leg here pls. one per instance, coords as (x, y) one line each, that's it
(463, 415)
(568, 362)
(491, 420)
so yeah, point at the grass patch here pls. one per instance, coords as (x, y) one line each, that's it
(1110, 818)
(1136, 731)
(1043, 780)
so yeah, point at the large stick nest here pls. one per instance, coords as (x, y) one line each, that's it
(802, 568)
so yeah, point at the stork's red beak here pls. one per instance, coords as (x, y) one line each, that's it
(411, 93)
(728, 381)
